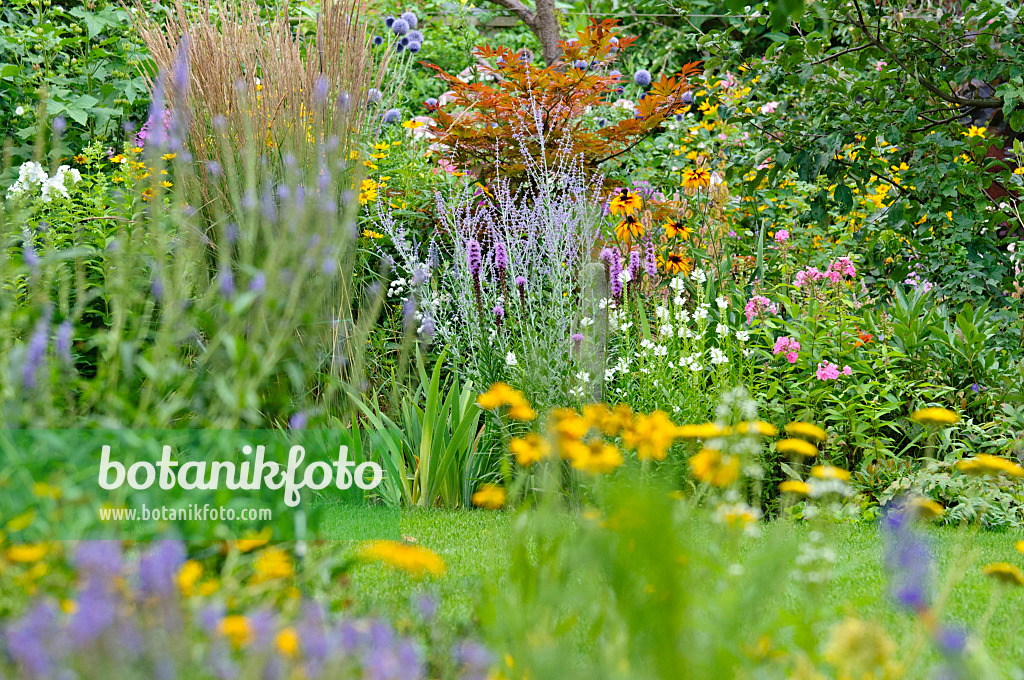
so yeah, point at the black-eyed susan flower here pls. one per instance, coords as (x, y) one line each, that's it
(715, 468)
(600, 457)
(1004, 572)
(650, 435)
(630, 227)
(674, 263)
(490, 496)
(676, 229)
(936, 416)
(501, 395)
(696, 178)
(985, 464)
(625, 202)
(797, 447)
(807, 431)
(702, 431)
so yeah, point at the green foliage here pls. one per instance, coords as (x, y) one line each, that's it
(71, 60)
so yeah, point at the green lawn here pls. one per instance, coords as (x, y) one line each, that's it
(473, 544)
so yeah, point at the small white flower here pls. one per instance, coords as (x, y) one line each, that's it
(718, 356)
(666, 330)
(661, 312)
(586, 322)
(622, 366)
(722, 330)
(698, 275)
(583, 376)
(19, 111)
(743, 336)
(700, 314)
(721, 302)
(609, 374)
(677, 284)
(510, 359)
(625, 276)
(678, 301)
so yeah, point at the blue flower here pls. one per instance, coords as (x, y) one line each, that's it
(389, 21)
(580, 64)
(378, 40)
(642, 77)
(415, 36)
(687, 97)
(414, 47)
(678, 117)
(399, 47)
(400, 27)
(410, 18)
(392, 116)
(373, 95)
(620, 90)
(431, 103)
(404, 41)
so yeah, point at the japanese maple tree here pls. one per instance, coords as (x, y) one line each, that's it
(485, 125)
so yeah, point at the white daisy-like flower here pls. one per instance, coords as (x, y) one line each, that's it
(510, 359)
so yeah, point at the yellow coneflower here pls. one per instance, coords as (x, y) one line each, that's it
(500, 395)
(715, 468)
(490, 496)
(797, 447)
(1005, 572)
(530, 449)
(758, 427)
(702, 431)
(625, 202)
(984, 464)
(629, 228)
(927, 508)
(412, 559)
(830, 472)
(806, 431)
(600, 457)
(369, 233)
(935, 416)
(795, 486)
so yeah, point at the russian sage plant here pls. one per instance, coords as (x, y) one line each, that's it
(504, 288)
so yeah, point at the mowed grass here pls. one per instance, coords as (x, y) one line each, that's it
(474, 546)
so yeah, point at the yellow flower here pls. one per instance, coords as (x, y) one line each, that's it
(829, 472)
(630, 227)
(44, 490)
(119, 159)
(858, 649)
(935, 416)
(625, 202)
(372, 234)
(500, 395)
(169, 156)
(412, 124)
(273, 563)
(1005, 572)
(974, 131)
(188, 575)
(236, 629)
(715, 468)
(702, 431)
(1019, 545)
(412, 559)
(737, 516)
(795, 486)
(490, 496)
(287, 642)
(529, 450)
(696, 178)
(673, 263)
(566, 424)
(797, 447)
(166, 185)
(650, 436)
(675, 228)
(984, 464)
(27, 552)
(254, 540)
(927, 508)
(599, 457)
(807, 431)
(758, 427)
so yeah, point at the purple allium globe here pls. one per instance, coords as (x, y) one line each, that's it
(620, 90)
(399, 27)
(392, 116)
(373, 95)
(580, 64)
(410, 18)
(431, 103)
(614, 73)
(389, 21)
(687, 97)
(415, 36)
(642, 77)
(399, 47)
(378, 40)
(414, 47)
(404, 42)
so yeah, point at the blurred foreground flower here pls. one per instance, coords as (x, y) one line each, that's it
(413, 559)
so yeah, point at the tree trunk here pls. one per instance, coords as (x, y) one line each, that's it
(543, 22)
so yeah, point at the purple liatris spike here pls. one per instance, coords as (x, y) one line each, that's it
(473, 257)
(64, 336)
(634, 265)
(520, 282)
(500, 263)
(650, 262)
(499, 315)
(614, 266)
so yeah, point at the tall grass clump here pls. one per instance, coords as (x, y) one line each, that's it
(227, 308)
